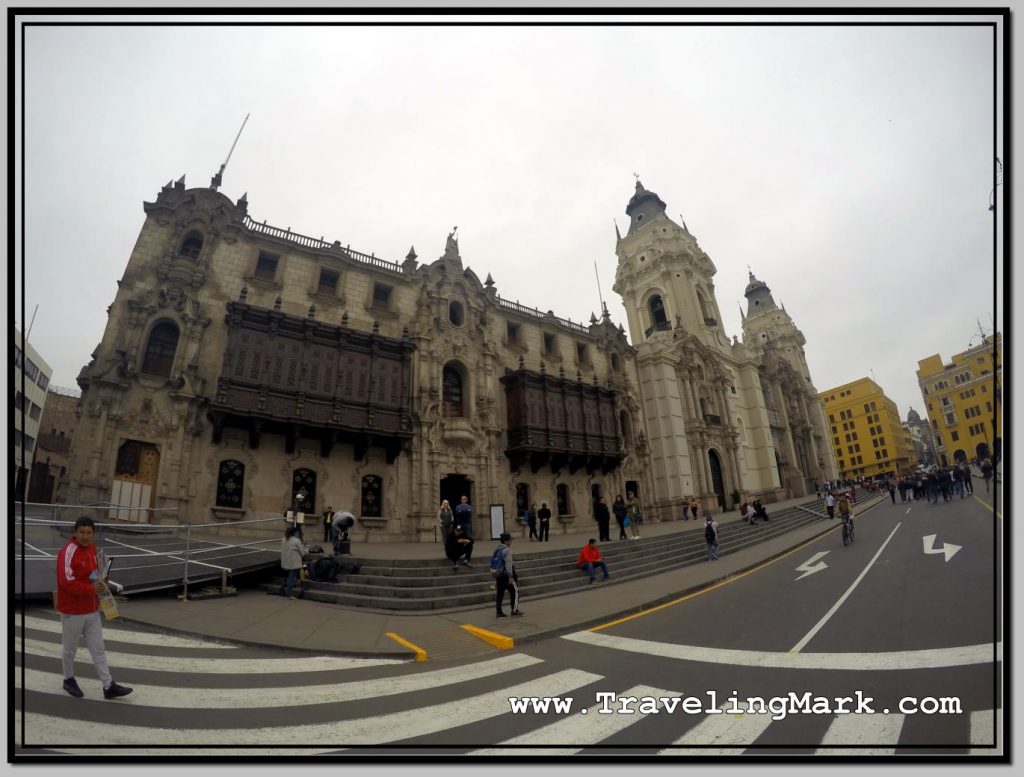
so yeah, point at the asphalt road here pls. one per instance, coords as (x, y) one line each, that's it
(907, 624)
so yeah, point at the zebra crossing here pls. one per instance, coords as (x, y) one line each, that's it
(193, 696)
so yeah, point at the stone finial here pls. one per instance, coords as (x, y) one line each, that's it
(412, 253)
(243, 295)
(376, 327)
(344, 318)
(180, 183)
(277, 302)
(593, 318)
(489, 282)
(312, 311)
(522, 362)
(561, 372)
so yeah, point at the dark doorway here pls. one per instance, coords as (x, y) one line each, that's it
(454, 487)
(632, 487)
(716, 477)
(304, 482)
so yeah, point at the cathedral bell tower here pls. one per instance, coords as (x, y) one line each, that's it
(684, 360)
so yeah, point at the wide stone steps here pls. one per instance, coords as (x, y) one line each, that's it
(430, 586)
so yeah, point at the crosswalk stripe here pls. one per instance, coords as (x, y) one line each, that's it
(578, 728)
(722, 729)
(984, 727)
(125, 635)
(896, 660)
(119, 660)
(376, 730)
(854, 729)
(192, 697)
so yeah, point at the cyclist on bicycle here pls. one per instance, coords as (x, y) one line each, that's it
(845, 510)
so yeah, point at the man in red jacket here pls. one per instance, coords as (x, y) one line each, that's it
(79, 608)
(590, 557)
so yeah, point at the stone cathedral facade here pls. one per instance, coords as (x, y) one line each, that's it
(243, 364)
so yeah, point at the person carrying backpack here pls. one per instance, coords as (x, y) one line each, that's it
(711, 536)
(505, 578)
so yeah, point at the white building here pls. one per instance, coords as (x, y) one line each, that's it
(31, 379)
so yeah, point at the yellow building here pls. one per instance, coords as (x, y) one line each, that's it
(964, 401)
(867, 435)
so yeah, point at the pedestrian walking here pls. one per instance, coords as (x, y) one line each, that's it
(603, 518)
(986, 473)
(78, 589)
(830, 504)
(694, 507)
(291, 561)
(459, 548)
(619, 511)
(446, 519)
(633, 515)
(892, 491)
(531, 521)
(464, 516)
(589, 558)
(504, 569)
(965, 469)
(711, 536)
(544, 522)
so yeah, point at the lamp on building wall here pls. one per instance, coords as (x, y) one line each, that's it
(999, 180)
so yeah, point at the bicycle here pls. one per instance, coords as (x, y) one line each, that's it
(847, 529)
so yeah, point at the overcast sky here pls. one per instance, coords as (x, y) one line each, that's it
(849, 167)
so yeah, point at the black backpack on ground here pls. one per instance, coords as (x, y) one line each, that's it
(325, 570)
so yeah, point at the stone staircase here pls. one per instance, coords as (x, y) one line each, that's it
(428, 586)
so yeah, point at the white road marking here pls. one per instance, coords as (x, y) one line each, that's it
(192, 697)
(809, 567)
(898, 660)
(908, 511)
(986, 729)
(853, 729)
(220, 665)
(721, 729)
(374, 730)
(125, 635)
(578, 728)
(825, 618)
(948, 549)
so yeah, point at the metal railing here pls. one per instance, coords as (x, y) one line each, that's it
(187, 555)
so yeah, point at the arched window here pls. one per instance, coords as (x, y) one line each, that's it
(562, 498)
(452, 392)
(191, 245)
(455, 313)
(616, 363)
(657, 310)
(230, 479)
(371, 504)
(163, 342)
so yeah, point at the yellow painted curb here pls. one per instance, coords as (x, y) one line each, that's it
(421, 654)
(499, 641)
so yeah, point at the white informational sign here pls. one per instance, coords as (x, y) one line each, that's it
(497, 521)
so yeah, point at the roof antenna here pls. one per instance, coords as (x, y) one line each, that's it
(604, 308)
(216, 180)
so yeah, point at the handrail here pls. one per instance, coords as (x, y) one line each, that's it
(317, 244)
(534, 313)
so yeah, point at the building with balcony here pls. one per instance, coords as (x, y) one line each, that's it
(868, 438)
(963, 398)
(243, 364)
(31, 379)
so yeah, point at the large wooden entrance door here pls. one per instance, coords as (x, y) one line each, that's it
(717, 484)
(133, 489)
